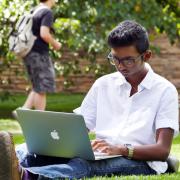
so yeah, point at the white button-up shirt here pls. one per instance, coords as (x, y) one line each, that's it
(118, 118)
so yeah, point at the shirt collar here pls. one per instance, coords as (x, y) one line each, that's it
(119, 78)
(147, 82)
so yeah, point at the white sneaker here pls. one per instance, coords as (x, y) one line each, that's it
(173, 163)
(14, 114)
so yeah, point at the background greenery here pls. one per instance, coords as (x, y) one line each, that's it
(83, 25)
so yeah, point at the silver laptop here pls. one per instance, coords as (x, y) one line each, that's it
(57, 134)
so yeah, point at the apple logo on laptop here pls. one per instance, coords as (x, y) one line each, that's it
(55, 135)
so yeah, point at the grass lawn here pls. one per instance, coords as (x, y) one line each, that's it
(55, 102)
(13, 127)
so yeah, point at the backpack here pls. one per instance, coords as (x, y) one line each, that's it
(21, 39)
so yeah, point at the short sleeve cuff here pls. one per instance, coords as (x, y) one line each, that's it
(168, 124)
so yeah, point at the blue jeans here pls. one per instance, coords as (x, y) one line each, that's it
(76, 168)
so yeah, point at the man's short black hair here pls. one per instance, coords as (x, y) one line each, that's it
(43, 0)
(129, 33)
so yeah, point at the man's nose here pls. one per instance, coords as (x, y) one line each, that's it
(121, 66)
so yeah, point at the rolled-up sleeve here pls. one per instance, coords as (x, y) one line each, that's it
(168, 114)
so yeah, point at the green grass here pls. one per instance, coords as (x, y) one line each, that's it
(55, 102)
(13, 127)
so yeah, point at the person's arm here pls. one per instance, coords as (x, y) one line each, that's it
(48, 38)
(158, 151)
(166, 126)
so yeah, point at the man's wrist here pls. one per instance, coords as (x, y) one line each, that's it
(123, 150)
(130, 150)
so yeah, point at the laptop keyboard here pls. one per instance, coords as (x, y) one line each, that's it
(97, 153)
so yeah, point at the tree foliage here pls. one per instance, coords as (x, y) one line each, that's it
(83, 25)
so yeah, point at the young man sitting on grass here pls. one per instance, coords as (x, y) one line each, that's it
(134, 112)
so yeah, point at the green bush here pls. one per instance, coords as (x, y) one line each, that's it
(83, 26)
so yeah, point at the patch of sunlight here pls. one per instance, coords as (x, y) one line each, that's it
(11, 126)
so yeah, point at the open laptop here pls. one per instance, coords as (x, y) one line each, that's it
(57, 134)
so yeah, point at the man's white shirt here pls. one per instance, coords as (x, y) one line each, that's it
(118, 118)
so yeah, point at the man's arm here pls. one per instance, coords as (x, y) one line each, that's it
(48, 38)
(158, 151)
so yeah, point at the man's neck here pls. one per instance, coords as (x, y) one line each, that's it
(136, 79)
(47, 3)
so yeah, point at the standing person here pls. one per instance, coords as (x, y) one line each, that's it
(134, 113)
(38, 63)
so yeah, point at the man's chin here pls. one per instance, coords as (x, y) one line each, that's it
(125, 74)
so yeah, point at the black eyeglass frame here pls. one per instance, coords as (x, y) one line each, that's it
(125, 61)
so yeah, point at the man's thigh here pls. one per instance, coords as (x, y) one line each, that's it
(27, 159)
(120, 166)
(39, 160)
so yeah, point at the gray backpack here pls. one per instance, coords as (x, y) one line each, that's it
(22, 39)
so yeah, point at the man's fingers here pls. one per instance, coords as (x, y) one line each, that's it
(99, 145)
(105, 149)
(96, 141)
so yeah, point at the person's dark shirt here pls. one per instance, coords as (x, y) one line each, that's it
(43, 17)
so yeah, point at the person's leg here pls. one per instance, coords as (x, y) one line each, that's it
(29, 103)
(52, 167)
(78, 168)
(41, 73)
(17, 165)
(36, 100)
(120, 166)
(40, 101)
(70, 169)
(8, 159)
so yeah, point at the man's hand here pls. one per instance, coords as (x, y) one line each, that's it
(104, 147)
(57, 45)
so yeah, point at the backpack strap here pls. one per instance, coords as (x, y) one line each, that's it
(32, 10)
(38, 8)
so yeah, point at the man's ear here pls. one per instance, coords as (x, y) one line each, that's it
(147, 55)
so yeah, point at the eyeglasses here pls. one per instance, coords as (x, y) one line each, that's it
(127, 61)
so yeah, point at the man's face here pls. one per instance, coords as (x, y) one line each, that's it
(127, 61)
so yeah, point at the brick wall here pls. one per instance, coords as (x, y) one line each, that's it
(167, 64)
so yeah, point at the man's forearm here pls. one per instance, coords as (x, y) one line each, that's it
(50, 40)
(158, 151)
(147, 152)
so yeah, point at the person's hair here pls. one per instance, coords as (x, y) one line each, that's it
(43, 0)
(129, 33)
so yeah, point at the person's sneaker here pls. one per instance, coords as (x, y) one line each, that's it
(8, 160)
(173, 164)
(14, 114)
